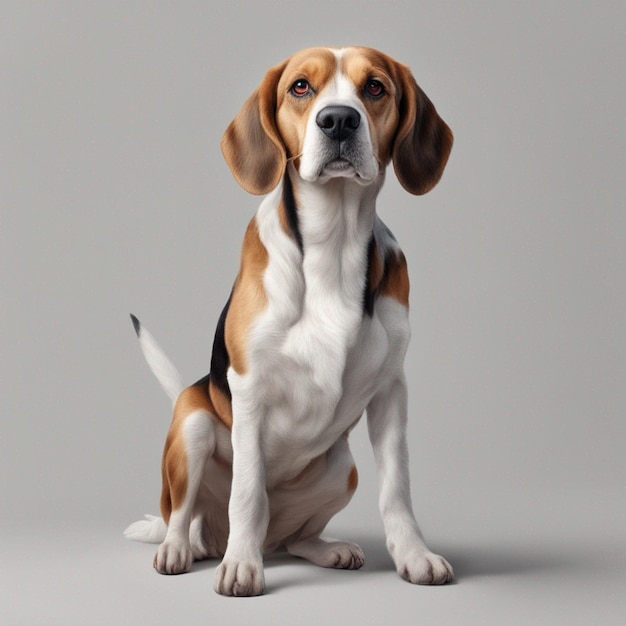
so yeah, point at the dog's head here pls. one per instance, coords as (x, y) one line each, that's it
(337, 113)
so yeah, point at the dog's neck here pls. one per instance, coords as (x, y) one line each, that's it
(330, 216)
(333, 224)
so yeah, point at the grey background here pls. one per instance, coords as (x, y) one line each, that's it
(115, 199)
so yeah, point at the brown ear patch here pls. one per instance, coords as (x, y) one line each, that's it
(251, 144)
(423, 141)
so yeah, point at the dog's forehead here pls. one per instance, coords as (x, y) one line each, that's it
(320, 65)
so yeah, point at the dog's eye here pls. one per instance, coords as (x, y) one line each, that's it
(300, 88)
(374, 88)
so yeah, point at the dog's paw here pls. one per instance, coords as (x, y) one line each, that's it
(425, 568)
(239, 578)
(173, 557)
(342, 555)
(328, 553)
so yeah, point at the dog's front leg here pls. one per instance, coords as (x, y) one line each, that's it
(241, 570)
(386, 420)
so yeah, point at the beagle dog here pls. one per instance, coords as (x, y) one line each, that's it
(313, 335)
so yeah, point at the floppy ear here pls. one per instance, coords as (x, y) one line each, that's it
(423, 140)
(251, 144)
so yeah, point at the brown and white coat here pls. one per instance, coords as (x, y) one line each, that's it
(314, 332)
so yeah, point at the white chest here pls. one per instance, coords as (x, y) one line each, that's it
(315, 357)
(314, 395)
(320, 374)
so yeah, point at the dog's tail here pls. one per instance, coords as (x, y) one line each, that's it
(164, 370)
(150, 530)
(153, 529)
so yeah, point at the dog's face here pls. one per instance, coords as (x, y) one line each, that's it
(337, 113)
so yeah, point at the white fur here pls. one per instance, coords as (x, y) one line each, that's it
(164, 370)
(152, 529)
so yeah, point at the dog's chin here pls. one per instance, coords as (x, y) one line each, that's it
(340, 168)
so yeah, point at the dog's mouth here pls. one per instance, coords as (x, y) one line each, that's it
(339, 167)
(347, 161)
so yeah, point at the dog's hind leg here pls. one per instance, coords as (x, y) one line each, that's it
(327, 495)
(190, 443)
(198, 533)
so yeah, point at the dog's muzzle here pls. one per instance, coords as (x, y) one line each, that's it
(339, 124)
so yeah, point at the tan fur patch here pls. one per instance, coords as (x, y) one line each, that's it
(396, 279)
(248, 298)
(174, 465)
(362, 65)
(223, 407)
(316, 66)
(191, 399)
(282, 218)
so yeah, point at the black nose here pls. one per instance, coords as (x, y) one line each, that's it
(338, 122)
